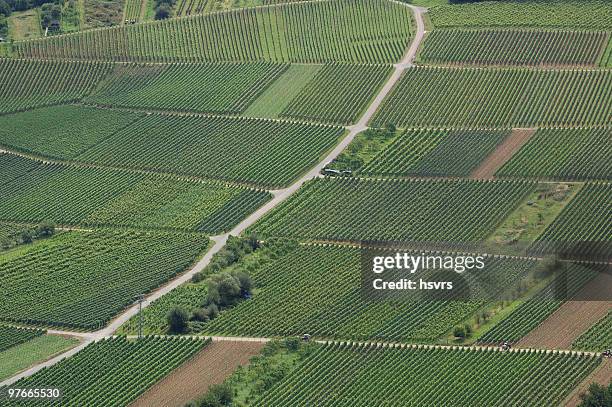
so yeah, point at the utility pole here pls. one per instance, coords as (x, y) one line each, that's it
(140, 301)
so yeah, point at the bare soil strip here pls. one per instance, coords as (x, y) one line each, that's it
(212, 365)
(502, 153)
(601, 375)
(573, 318)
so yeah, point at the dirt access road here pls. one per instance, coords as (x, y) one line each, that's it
(279, 196)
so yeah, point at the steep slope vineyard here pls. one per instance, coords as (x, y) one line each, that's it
(27, 84)
(456, 97)
(363, 31)
(368, 375)
(272, 153)
(209, 88)
(82, 279)
(514, 47)
(394, 210)
(572, 154)
(101, 197)
(112, 372)
(434, 153)
(338, 93)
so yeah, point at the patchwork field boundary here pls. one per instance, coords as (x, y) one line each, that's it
(502, 153)
(279, 196)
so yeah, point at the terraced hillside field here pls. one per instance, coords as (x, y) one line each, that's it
(318, 289)
(28, 84)
(113, 371)
(62, 131)
(434, 153)
(563, 154)
(594, 14)
(394, 210)
(354, 31)
(262, 152)
(101, 197)
(514, 47)
(81, 279)
(367, 375)
(208, 88)
(453, 97)
(338, 93)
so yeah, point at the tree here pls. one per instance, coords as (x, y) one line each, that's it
(162, 12)
(219, 395)
(5, 9)
(459, 332)
(597, 396)
(26, 236)
(45, 229)
(177, 320)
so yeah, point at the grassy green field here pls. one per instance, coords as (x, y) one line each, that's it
(273, 101)
(21, 357)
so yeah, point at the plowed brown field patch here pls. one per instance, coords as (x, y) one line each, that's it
(573, 318)
(215, 363)
(502, 153)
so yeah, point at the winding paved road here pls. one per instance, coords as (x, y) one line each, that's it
(278, 197)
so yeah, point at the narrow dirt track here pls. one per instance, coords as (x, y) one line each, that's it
(279, 196)
(573, 318)
(212, 365)
(501, 154)
(601, 375)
